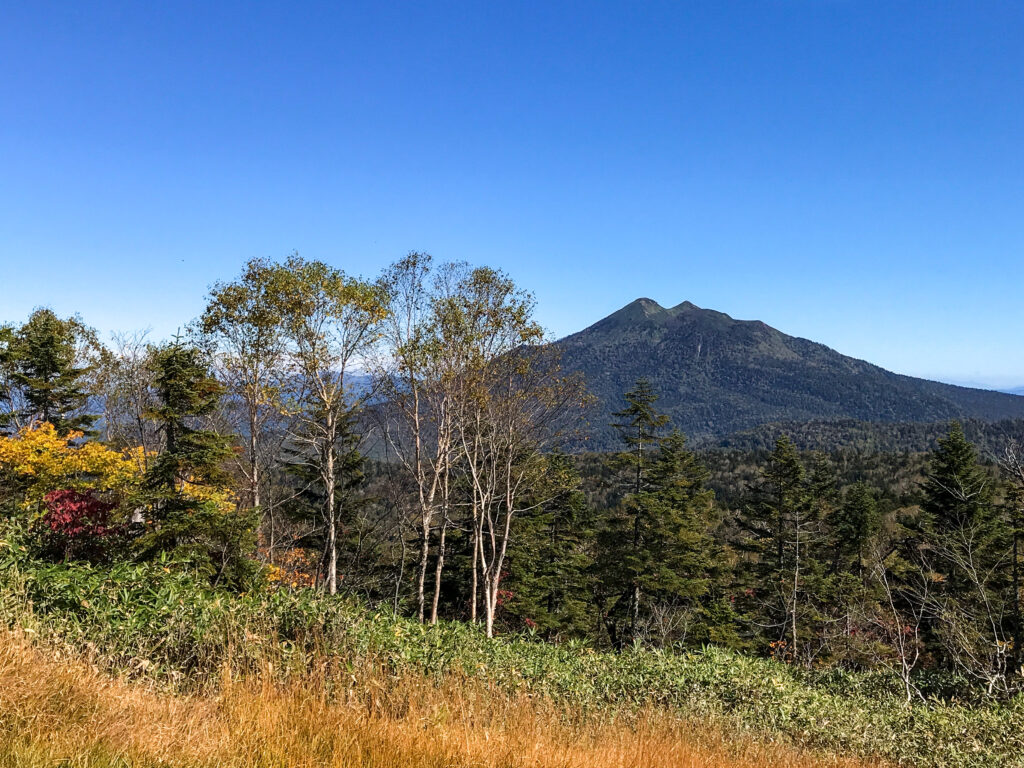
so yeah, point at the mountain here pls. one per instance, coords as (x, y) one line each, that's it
(1014, 391)
(717, 376)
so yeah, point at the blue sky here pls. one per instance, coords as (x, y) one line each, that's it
(847, 171)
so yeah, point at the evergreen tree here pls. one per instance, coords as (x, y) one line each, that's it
(957, 491)
(640, 428)
(672, 563)
(964, 542)
(549, 572)
(773, 527)
(654, 560)
(191, 519)
(44, 374)
(852, 526)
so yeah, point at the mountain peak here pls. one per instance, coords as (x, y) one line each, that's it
(685, 306)
(718, 375)
(637, 312)
(650, 306)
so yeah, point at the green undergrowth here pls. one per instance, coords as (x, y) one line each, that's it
(154, 622)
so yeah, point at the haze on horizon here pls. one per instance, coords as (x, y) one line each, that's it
(847, 172)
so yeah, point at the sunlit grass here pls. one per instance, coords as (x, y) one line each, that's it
(67, 713)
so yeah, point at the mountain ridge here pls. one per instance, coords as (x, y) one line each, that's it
(717, 375)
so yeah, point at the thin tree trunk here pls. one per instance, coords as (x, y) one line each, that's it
(439, 569)
(796, 583)
(475, 586)
(1016, 597)
(401, 569)
(490, 604)
(254, 465)
(332, 523)
(424, 557)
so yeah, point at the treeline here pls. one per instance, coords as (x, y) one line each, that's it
(399, 438)
(869, 436)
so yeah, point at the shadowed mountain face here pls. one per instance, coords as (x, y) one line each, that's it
(717, 375)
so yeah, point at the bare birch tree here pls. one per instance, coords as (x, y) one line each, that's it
(417, 377)
(330, 322)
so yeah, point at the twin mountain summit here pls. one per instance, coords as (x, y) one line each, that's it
(717, 377)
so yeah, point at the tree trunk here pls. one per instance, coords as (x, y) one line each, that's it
(1017, 630)
(475, 589)
(332, 523)
(490, 605)
(254, 466)
(424, 558)
(796, 583)
(439, 569)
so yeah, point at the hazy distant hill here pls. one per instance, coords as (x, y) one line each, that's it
(718, 376)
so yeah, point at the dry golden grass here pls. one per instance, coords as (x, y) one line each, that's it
(65, 713)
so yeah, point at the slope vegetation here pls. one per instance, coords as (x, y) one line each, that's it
(717, 375)
(448, 687)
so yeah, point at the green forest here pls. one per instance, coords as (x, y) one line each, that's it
(403, 441)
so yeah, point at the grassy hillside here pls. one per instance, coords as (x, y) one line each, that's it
(66, 713)
(145, 622)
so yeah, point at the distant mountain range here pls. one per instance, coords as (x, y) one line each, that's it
(718, 376)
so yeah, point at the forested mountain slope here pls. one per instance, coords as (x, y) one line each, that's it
(717, 376)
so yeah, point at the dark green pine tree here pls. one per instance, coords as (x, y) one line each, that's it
(822, 599)
(640, 428)
(672, 565)
(1015, 517)
(550, 578)
(965, 541)
(180, 526)
(957, 491)
(852, 525)
(45, 379)
(957, 509)
(771, 526)
(654, 549)
(847, 593)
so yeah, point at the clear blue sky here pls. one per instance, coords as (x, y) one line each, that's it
(847, 171)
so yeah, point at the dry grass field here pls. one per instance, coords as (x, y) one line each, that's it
(67, 713)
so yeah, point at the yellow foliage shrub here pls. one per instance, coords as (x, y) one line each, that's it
(42, 461)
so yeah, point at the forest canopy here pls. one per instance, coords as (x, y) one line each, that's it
(408, 439)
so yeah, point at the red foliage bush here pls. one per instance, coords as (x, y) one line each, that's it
(77, 525)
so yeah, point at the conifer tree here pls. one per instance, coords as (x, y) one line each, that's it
(44, 372)
(654, 548)
(957, 491)
(549, 571)
(965, 544)
(772, 536)
(190, 518)
(852, 526)
(640, 428)
(671, 563)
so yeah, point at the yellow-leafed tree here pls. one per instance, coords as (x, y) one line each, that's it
(38, 460)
